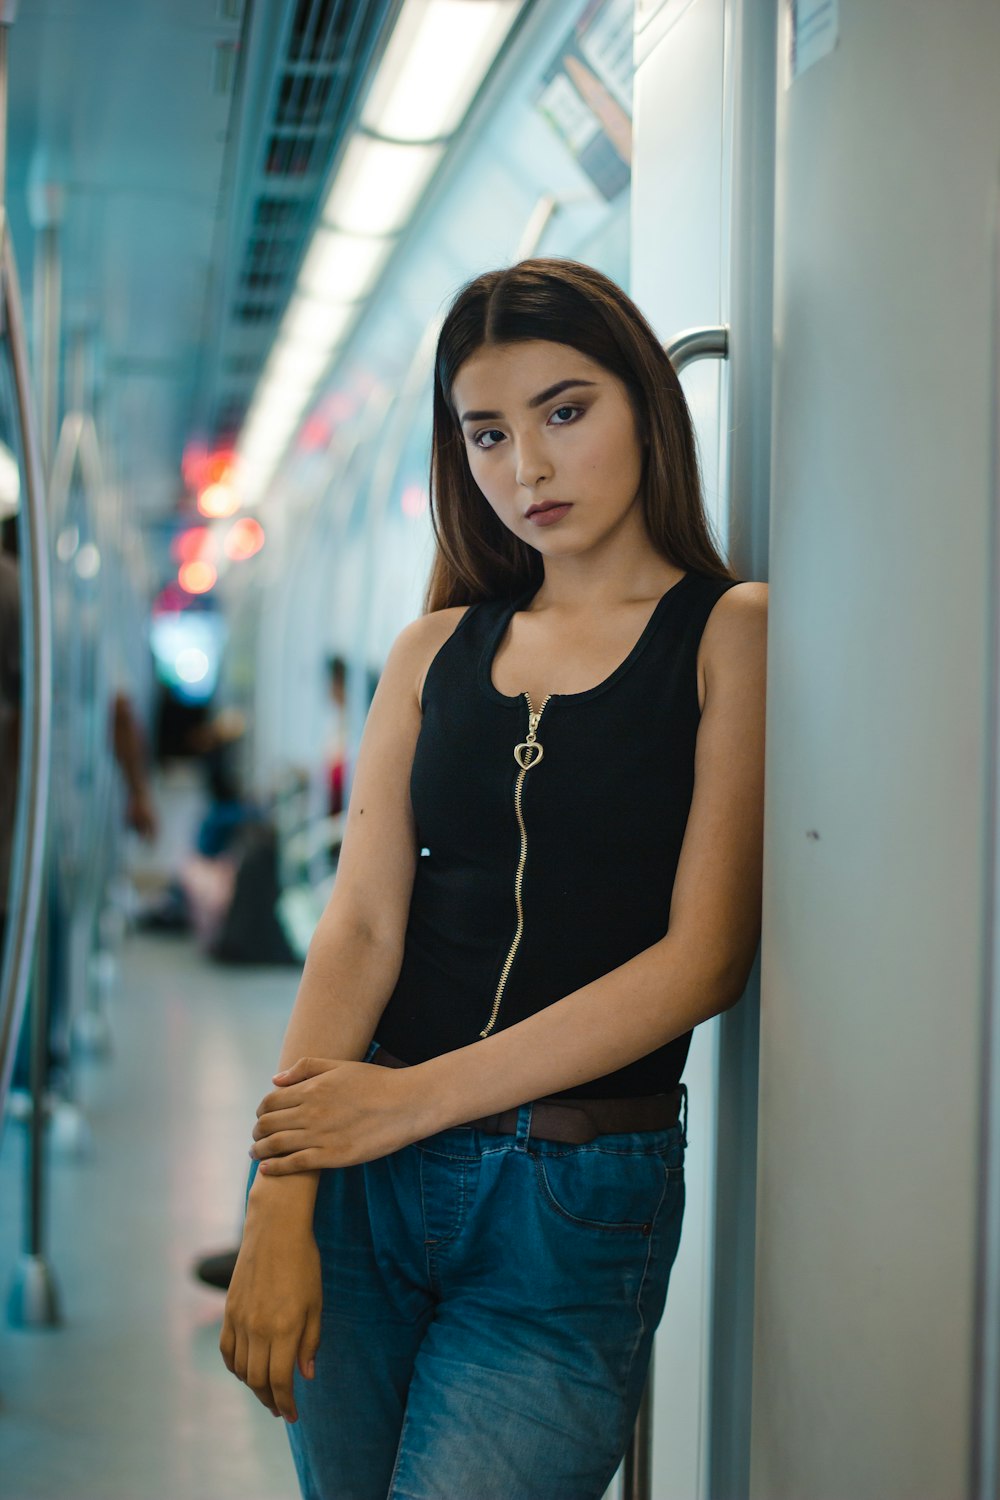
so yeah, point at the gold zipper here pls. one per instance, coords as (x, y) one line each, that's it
(527, 754)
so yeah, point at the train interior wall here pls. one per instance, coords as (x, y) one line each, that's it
(821, 181)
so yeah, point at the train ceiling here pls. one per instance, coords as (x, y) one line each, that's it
(190, 142)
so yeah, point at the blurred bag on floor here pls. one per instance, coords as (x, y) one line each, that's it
(249, 932)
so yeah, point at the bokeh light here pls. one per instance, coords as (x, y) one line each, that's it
(243, 539)
(88, 560)
(195, 542)
(413, 501)
(218, 500)
(197, 576)
(191, 664)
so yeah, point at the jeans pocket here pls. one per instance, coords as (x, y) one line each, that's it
(613, 1191)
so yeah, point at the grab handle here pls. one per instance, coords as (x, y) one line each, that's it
(711, 342)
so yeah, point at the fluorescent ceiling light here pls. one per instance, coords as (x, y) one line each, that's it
(258, 451)
(377, 185)
(342, 267)
(277, 418)
(437, 57)
(276, 414)
(310, 321)
(434, 63)
(295, 365)
(257, 448)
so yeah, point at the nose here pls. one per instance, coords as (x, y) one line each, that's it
(533, 465)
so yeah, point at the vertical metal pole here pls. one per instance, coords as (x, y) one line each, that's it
(34, 1225)
(637, 1474)
(33, 1298)
(46, 316)
(32, 807)
(985, 1438)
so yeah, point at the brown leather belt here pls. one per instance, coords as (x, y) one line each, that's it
(576, 1120)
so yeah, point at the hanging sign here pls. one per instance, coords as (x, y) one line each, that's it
(813, 31)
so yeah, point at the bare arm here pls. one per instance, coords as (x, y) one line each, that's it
(357, 949)
(272, 1319)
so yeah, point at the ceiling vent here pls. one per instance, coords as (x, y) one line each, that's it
(302, 70)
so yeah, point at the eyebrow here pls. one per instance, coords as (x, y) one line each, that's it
(539, 400)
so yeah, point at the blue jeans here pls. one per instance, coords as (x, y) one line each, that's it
(489, 1306)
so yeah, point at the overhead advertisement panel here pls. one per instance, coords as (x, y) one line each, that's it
(586, 94)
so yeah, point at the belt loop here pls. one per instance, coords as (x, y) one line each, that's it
(523, 1129)
(684, 1112)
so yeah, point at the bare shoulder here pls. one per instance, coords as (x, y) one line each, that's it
(734, 641)
(423, 638)
(738, 622)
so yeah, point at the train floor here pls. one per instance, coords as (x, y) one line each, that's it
(129, 1399)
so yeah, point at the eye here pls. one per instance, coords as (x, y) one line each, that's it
(572, 409)
(487, 432)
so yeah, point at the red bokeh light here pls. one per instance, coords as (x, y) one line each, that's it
(243, 539)
(317, 430)
(193, 543)
(413, 501)
(193, 463)
(202, 466)
(170, 600)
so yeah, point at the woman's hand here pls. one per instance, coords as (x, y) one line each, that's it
(273, 1307)
(326, 1113)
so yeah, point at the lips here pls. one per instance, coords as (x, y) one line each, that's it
(546, 505)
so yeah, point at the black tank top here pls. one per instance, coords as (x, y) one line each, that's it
(538, 874)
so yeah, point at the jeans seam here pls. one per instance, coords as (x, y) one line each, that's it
(392, 1493)
(606, 1151)
(633, 1226)
(446, 1155)
(432, 1280)
(624, 1437)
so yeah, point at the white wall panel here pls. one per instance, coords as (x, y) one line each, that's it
(874, 912)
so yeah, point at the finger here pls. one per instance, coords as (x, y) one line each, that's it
(287, 1166)
(258, 1378)
(227, 1344)
(282, 1144)
(276, 1101)
(306, 1067)
(309, 1347)
(282, 1375)
(280, 1120)
(240, 1356)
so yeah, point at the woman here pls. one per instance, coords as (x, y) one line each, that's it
(551, 873)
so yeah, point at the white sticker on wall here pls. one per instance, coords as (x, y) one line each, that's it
(813, 30)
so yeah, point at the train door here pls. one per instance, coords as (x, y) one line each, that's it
(875, 1359)
(702, 218)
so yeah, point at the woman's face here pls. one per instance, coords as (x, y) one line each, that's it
(551, 441)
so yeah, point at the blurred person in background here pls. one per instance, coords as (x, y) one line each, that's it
(336, 758)
(131, 754)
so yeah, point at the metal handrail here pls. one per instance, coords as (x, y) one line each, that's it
(711, 342)
(32, 802)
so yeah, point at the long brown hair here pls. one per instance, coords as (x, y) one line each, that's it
(476, 556)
